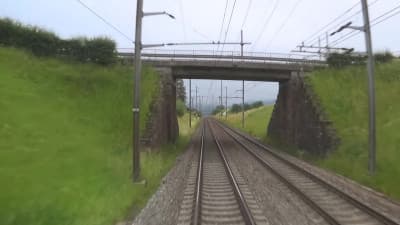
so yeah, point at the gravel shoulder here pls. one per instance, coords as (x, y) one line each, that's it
(163, 207)
(368, 196)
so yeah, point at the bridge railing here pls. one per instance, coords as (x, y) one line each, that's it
(234, 56)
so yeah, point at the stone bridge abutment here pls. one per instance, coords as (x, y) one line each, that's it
(297, 118)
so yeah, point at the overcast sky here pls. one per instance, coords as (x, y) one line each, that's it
(271, 25)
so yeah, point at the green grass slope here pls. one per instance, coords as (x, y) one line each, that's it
(65, 132)
(256, 120)
(343, 95)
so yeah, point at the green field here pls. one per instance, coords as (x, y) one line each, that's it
(256, 121)
(343, 95)
(65, 131)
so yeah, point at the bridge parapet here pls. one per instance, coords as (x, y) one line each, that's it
(233, 56)
(227, 65)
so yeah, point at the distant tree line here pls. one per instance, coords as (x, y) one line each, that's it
(235, 108)
(100, 50)
(339, 60)
(180, 90)
(238, 107)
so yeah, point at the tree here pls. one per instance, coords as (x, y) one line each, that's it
(257, 104)
(236, 108)
(180, 108)
(180, 90)
(218, 109)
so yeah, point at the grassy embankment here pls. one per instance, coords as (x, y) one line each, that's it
(65, 131)
(256, 121)
(343, 95)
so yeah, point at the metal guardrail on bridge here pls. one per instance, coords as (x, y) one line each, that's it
(204, 55)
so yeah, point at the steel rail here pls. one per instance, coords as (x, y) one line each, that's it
(199, 182)
(244, 208)
(363, 207)
(291, 186)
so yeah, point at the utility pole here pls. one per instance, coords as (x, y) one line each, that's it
(220, 100)
(243, 104)
(190, 103)
(226, 102)
(319, 46)
(136, 93)
(241, 43)
(241, 53)
(371, 87)
(328, 51)
(197, 106)
(136, 98)
(371, 83)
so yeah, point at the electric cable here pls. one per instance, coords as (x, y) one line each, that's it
(265, 24)
(229, 24)
(105, 21)
(284, 23)
(383, 17)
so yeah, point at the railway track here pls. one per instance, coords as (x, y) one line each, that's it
(334, 205)
(215, 192)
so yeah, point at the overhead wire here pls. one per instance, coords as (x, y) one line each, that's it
(383, 17)
(246, 14)
(229, 24)
(223, 21)
(266, 24)
(105, 21)
(284, 23)
(334, 26)
(183, 18)
(334, 20)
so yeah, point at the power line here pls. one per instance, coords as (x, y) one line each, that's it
(229, 24)
(284, 23)
(316, 39)
(334, 20)
(247, 13)
(223, 21)
(183, 18)
(105, 21)
(374, 22)
(266, 24)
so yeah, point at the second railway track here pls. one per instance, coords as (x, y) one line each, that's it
(335, 206)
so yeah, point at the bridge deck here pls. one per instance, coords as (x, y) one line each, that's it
(228, 67)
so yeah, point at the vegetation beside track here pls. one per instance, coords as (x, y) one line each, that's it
(256, 120)
(343, 95)
(65, 132)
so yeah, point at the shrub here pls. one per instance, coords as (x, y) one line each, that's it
(236, 108)
(44, 43)
(101, 51)
(257, 104)
(180, 108)
(383, 57)
(339, 60)
(218, 109)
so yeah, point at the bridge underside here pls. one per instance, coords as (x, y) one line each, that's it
(215, 73)
(227, 70)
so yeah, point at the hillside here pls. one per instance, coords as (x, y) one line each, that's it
(256, 120)
(343, 95)
(65, 131)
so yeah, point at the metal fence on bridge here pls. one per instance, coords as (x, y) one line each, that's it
(214, 56)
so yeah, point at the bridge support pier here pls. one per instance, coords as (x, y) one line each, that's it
(162, 126)
(298, 119)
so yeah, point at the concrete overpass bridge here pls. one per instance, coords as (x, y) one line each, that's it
(297, 118)
(227, 65)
